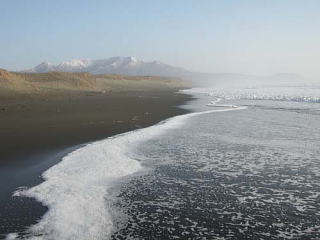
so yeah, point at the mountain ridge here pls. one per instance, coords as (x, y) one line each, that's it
(114, 65)
(131, 66)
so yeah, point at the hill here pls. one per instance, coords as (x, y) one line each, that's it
(58, 82)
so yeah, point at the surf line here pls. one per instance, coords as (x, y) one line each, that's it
(77, 190)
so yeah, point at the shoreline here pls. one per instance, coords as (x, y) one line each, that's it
(158, 105)
(79, 118)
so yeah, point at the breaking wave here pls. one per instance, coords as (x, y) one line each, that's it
(309, 94)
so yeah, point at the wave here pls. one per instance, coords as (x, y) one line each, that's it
(310, 94)
(78, 190)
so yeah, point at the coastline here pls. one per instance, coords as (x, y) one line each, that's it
(79, 119)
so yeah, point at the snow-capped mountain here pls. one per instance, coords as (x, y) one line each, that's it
(114, 65)
(135, 67)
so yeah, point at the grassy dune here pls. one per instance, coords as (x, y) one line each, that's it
(57, 82)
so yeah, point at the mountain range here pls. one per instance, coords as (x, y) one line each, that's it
(115, 65)
(132, 66)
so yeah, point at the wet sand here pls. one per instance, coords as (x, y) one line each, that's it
(44, 124)
(36, 132)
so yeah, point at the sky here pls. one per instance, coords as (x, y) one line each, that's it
(227, 36)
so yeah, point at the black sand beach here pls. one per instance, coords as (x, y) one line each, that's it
(37, 132)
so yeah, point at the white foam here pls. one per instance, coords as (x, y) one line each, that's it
(309, 93)
(77, 190)
(214, 102)
(222, 105)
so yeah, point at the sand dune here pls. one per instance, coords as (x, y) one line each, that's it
(14, 82)
(53, 82)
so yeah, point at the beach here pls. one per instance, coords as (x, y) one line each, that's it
(37, 125)
(37, 132)
(230, 165)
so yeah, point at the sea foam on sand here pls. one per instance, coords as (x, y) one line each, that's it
(77, 190)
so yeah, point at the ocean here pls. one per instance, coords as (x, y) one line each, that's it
(243, 164)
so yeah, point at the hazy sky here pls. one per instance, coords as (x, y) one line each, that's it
(239, 36)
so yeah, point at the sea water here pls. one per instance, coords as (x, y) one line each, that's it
(243, 165)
